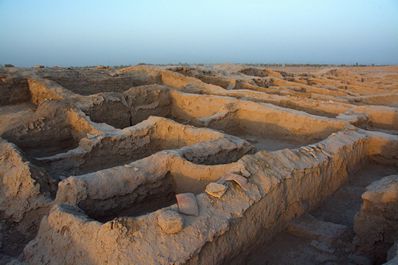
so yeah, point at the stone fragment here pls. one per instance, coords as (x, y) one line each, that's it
(187, 204)
(170, 221)
(216, 189)
(241, 181)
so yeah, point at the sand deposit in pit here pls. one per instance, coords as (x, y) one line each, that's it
(221, 164)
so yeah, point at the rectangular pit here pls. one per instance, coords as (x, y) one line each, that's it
(260, 139)
(138, 188)
(137, 142)
(15, 102)
(48, 132)
(126, 109)
(147, 198)
(342, 206)
(88, 81)
(266, 126)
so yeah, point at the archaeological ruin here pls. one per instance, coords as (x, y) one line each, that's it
(202, 164)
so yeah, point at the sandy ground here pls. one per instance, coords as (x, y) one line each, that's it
(193, 164)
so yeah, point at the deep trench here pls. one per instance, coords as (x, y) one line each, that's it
(270, 141)
(339, 208)
(146, 198)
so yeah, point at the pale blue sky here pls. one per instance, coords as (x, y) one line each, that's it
(90, 32)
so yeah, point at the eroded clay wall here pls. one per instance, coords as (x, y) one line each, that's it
(301, 186)
(13, 90)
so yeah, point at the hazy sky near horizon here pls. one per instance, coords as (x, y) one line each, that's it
(92, 32)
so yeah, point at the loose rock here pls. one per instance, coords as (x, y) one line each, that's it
(215, 189)
(187, 204)
(241, 181)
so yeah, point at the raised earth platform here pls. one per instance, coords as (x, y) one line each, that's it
(218, 164)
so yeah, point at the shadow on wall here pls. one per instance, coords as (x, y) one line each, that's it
(92, 81)
(13, 91)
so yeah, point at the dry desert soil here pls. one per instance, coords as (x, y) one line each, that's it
(199, 164)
